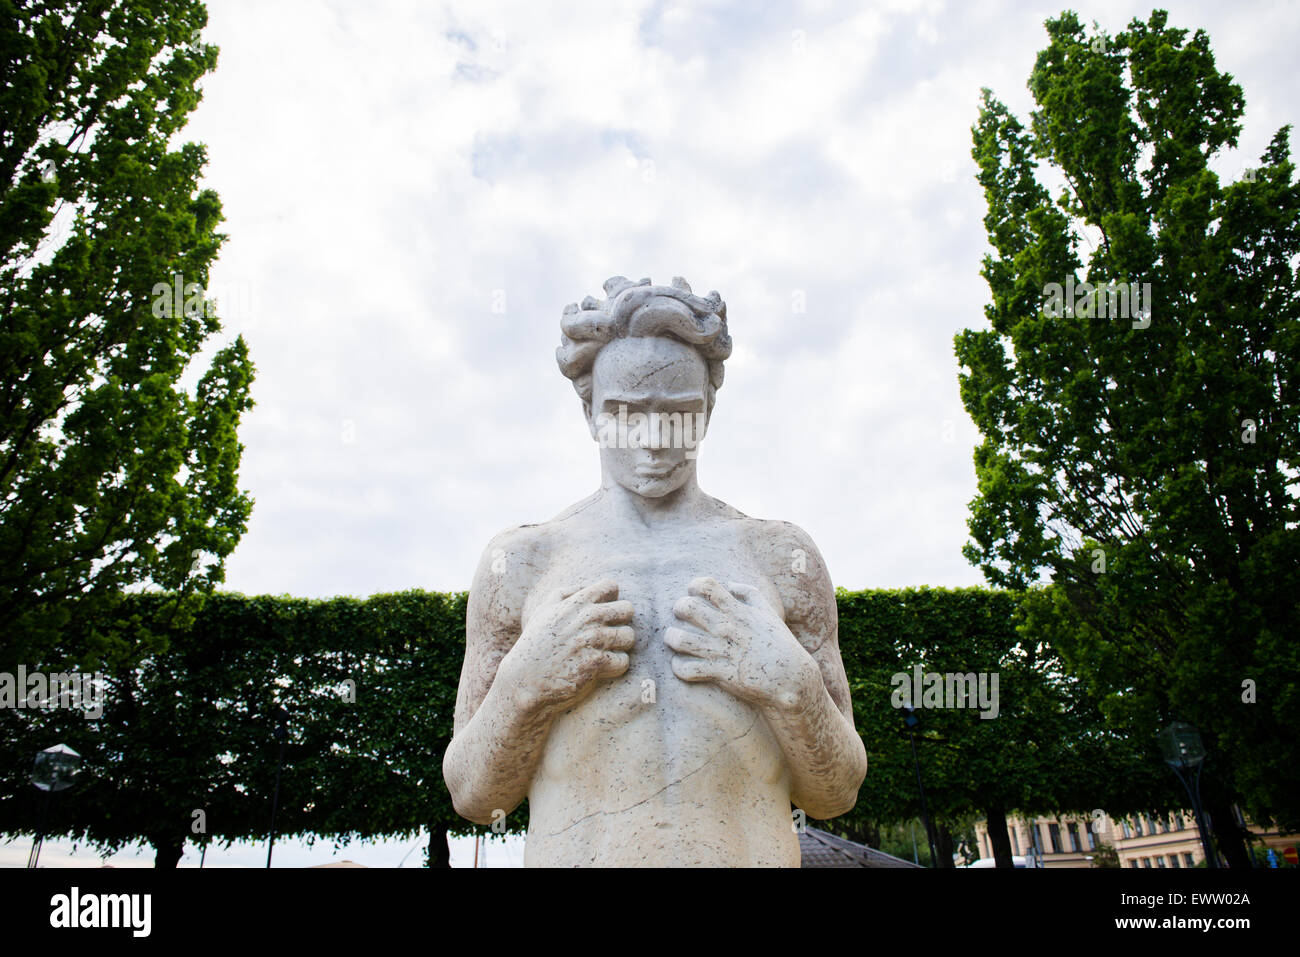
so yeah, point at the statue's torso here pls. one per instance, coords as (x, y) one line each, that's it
(650, 769)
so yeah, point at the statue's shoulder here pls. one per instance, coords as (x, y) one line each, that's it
(574, 512)
(790, 557)
(779, 537)
(780, 541)
(513, 541)
(728, 513)
(516, 555)
(505, 575)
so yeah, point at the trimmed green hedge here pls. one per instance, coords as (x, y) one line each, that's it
(370, 688)
(1047, 750)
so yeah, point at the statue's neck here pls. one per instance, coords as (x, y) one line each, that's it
(678, 505)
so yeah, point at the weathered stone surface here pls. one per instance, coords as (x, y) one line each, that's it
(658, 673)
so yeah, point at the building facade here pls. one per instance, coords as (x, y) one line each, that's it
(1140, 841)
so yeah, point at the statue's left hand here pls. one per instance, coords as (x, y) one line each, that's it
(740, 643)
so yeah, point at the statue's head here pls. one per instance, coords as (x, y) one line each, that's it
(647, 364)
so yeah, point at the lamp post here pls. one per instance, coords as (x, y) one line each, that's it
(910, 723)
(281, 734)
(54, 770)
(1184, 751)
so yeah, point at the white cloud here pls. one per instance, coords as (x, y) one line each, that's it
(413, 194)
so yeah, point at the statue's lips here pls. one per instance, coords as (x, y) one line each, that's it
(656, 471)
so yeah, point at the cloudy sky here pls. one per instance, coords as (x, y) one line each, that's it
(414, 191)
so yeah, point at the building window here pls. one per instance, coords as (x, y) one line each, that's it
(1146, 862)
(1178, 821)
(1137, 827)
(1133, 863)
(1173, 861)
(1151, 827)
(1164, 825)
(1189, 861)
(1015, 840)
(1160, 862)
(1128, 831)
(1073, 830)
(1092, 836)
(1054, 831)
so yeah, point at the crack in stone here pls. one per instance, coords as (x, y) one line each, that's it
(623, 810)
(653, 371)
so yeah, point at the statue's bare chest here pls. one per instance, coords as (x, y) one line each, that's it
(653, 572)
(664, 725)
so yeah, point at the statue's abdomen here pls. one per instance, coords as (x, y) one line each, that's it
(650, 765)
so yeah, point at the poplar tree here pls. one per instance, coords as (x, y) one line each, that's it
(118, 456)
(1144, 460)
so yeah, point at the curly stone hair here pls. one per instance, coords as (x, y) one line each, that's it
(640, 309)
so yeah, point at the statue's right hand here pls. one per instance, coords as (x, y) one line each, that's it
(572, 640)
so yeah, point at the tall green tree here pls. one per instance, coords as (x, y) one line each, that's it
(1142, 456)
(113, 473)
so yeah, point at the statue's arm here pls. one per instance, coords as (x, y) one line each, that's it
(827, 759)
(498, 735)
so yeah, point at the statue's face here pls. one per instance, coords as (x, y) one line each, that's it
(652, 384)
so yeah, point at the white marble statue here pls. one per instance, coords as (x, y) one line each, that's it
(656, 672)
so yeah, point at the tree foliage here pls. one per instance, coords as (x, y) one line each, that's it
(113, 473)
(1146, 462)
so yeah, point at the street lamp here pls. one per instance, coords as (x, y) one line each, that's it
(54, 770)
(910, 723)
(1184, 751)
